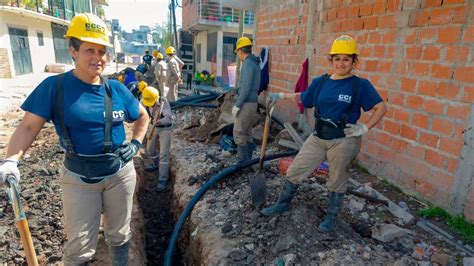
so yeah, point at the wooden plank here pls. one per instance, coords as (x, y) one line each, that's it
(294, 135)
(289, 144)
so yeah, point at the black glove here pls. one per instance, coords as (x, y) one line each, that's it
(127, 151)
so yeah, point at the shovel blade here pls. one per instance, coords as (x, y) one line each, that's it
(258, 189)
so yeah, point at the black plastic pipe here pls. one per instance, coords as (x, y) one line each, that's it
(197, 197)
(179, 105)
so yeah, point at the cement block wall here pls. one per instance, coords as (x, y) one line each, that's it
(419, 55)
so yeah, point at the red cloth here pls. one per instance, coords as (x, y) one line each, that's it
(302, 83)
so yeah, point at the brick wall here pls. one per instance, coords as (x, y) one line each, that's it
(4, 64)
(418, 54)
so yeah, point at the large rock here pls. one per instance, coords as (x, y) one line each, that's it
(388, 232)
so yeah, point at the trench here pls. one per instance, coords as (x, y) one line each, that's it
(156, 207)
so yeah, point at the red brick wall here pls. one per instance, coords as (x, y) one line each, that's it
(4, 64)
(417, 53)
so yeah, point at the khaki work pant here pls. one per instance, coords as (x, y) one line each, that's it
(340, 154)
(163, 135)
(244, 122)
(83, 204)
(173, 92)
(163, 89)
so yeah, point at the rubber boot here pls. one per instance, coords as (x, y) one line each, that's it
(251, 147)
(242, 152)
(335, 202)
(284, 199)
(119, 255)
(162, 185)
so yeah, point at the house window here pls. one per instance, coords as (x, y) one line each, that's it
(40, 38)
(211, 47)
(198, 53)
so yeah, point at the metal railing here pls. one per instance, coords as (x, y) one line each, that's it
(213, 11)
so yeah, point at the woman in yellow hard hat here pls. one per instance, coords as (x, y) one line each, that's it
(337, 100)
(88, 112)
(161, 124)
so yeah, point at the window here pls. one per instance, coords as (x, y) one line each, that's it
(198, 53)
(40, 38)
(211, 47)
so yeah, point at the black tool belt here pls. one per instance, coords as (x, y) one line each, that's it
(327, 130)
(93, 168)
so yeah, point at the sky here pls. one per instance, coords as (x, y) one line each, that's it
(133, 13)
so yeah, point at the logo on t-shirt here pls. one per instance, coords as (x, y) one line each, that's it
(344, 98)
(117, 116)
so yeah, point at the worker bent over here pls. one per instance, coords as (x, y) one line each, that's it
(161, 123)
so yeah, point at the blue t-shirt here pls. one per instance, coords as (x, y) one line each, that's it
(335, 97)
(147, 59)
(84, 111)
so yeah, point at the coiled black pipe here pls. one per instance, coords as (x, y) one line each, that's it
(212, 181)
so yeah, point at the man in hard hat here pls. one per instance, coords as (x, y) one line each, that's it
(160, 69)
(245, 108)
(173, 74)
(161, 123)
(88, 111)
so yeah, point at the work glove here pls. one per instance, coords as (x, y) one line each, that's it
(235, 110)
(354, 130)
(9, 168)
(275, 96)
(127, 151)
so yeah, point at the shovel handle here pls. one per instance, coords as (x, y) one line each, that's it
(27, 242)
(266, 131)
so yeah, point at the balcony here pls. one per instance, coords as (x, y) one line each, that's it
(201, 15)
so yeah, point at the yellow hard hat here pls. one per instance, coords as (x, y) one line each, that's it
(344, 44)
(159, 55)
(170, 50)
(142, 85)
(242, 42)
(150, 96)
(120, 78)
(154, 53)
(88, 28)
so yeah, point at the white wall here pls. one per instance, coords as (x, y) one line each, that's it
(40, 55)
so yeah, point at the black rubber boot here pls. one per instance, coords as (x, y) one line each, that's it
(119, 254)
(242, 152)
(335, 203)
(251, 147)
(284, 199)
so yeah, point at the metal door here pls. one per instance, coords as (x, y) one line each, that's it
(61, 52)
(20, 51)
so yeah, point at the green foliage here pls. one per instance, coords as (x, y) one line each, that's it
(163, 36)
(457, 223)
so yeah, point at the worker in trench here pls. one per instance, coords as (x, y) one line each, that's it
(337, 100)
(173, 73)
(245, 107)
(88, 112)
(159, 131)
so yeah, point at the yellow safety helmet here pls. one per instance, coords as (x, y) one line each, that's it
(120, 78)
(159, 55)
(170, 50)
(142, 85)
(344, 44)
(150, 96)
(154, 53)
(242, 42)
(88, 28)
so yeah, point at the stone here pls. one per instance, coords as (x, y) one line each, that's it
(226, 228)
(289, 259)
(356, 205)
(284, 242)
(237, 255)
(366, 256)
(468, 261)
(443, 259)
(388, 232)
(250, 246)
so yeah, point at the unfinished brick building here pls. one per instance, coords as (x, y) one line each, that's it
(419, 55)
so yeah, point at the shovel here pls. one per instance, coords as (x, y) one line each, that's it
(258, 188)
(21, 222)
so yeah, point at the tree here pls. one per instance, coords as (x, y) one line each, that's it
(162, 36)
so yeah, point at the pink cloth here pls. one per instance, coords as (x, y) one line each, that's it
(302, 83)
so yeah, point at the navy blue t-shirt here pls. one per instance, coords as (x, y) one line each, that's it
(335, 97)
(84, 111)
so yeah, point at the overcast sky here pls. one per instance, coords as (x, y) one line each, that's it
(133, 13)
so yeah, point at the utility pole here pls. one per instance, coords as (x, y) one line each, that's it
(173, 14)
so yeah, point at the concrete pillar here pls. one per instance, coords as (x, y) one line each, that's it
(220, 49)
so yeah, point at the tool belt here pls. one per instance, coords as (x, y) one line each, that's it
(93, 168)
(327, 131)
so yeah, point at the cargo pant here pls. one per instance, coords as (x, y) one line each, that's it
(83, 204)
(163, 135)
(172, 95)
(244, 122)
(340, 154)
